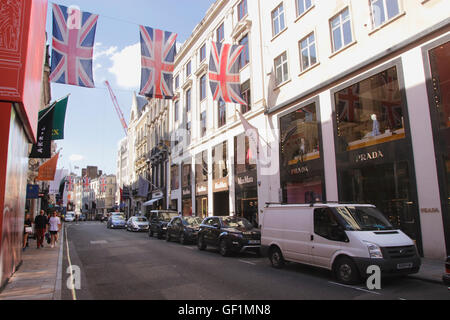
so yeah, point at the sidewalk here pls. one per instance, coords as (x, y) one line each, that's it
(431, 271)
(39, 276)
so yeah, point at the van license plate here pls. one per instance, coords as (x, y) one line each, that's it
(402, 266)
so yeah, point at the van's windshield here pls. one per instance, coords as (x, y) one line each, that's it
(363, 219)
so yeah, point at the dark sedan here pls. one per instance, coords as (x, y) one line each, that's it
(158, 221)
(229, 234)
(183, 229)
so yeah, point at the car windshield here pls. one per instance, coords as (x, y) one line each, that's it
(118, 218)
(167, 216)
(140, 219)
(192, 221)
(236, 222)
(363, 219)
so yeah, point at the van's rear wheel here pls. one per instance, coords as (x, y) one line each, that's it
(276, 258)
(346, 272)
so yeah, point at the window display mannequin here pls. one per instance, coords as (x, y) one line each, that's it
(376, 126)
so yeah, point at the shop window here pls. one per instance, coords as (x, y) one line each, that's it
(370, 112)
(301, 162)
(203, 124)
(201, 167)
(219, 154)
(222, 114)
(174, 177)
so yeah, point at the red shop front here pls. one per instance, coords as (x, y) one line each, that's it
(22, 48)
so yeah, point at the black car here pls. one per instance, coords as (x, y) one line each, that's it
(184, 229)
(229, 234)
(446, 276)
(158, 220)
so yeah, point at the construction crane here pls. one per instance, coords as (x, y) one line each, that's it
(117, 107)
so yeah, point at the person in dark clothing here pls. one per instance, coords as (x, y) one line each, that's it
(40, 226)
(26, 232)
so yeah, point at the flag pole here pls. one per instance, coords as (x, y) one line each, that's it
(52, 106)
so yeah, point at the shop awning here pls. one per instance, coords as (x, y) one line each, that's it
(149, 203)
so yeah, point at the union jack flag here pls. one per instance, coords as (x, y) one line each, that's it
(158, 50)
(391, 103)
(102, 185)
(348, 102)
(69, 183)
(224, 78)
(86, 183)
(73, 47)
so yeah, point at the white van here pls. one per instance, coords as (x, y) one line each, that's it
(344, 238)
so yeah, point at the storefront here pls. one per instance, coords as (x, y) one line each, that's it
(245, 180)
(374, 156)
(221, 192)
(436, 59)
(174, 187)
(301, 160)
(186, 189)
(201, 184)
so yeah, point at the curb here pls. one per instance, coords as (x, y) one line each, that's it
(58, 283)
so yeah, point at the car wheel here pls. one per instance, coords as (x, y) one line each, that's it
(182, 238)
(276, 258)
(223, 248)
(346, 271)
(201, 243)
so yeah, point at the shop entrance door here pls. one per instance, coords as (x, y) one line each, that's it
(249, 210)
(387, 186)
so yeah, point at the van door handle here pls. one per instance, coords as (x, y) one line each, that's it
(312, 237)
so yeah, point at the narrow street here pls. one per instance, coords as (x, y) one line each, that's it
(120, 265)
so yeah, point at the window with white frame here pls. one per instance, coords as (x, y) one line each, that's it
(281, 69)
(383, 11)
(303, 6)
(341, 30)
(242, 9)
(308, 54)
(278, 23)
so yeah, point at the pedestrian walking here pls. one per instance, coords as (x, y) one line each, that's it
(27, 230)
(54, 227)
(40, 227)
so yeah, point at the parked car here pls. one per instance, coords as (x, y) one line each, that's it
(116, 222)
(137, 224)
(229, 234)
(446, 277)
(343, 238)
(158, 220)
(183, 229)
(69, 217)
(83, 217)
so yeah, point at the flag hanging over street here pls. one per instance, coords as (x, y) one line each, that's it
(158, 50)
(47, 171)
(224, 78)
(59, 118)
(143, 187)
(86, 183)
(43, 146)
(73, 46)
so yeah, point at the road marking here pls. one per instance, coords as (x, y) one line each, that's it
(99, 242)
(74, 295)
(190, 248)
(356, 288)
(248, 262)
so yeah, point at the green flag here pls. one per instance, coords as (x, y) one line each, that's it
(59, 118)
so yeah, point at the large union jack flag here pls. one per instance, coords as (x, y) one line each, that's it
(73, 46)
(224, 78)
(391, 104)
(158, 50)
(348, 103)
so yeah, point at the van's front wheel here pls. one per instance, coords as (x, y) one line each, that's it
(276, 258)
(346, 271)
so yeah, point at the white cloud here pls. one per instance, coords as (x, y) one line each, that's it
(126, 66)
(76, 158)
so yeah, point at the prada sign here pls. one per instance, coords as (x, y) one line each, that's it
(369, 156)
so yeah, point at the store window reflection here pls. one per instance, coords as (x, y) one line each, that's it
(370, 112)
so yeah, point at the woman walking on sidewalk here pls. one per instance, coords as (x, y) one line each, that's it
(27, 230)
(55, 226)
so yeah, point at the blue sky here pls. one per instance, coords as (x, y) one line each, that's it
(93, 129)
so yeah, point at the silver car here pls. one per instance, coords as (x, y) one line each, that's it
(137, 224)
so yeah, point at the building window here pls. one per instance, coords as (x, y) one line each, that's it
(203, 87)
(174, 177)
(177, 110)
(188, 100)
(308, 54)
(242, 9)
(188, 133)
(203, 124)
(303, 6)
(177, 82)
(244, 58)
(302, 171)
(278, 24)
(383, 11)
(222, 114)
(341, 30)
(201, 167)
(202, 53)
(245, 91)
(219, 155)
(188, 69)
(281, 69)
(221, 33)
